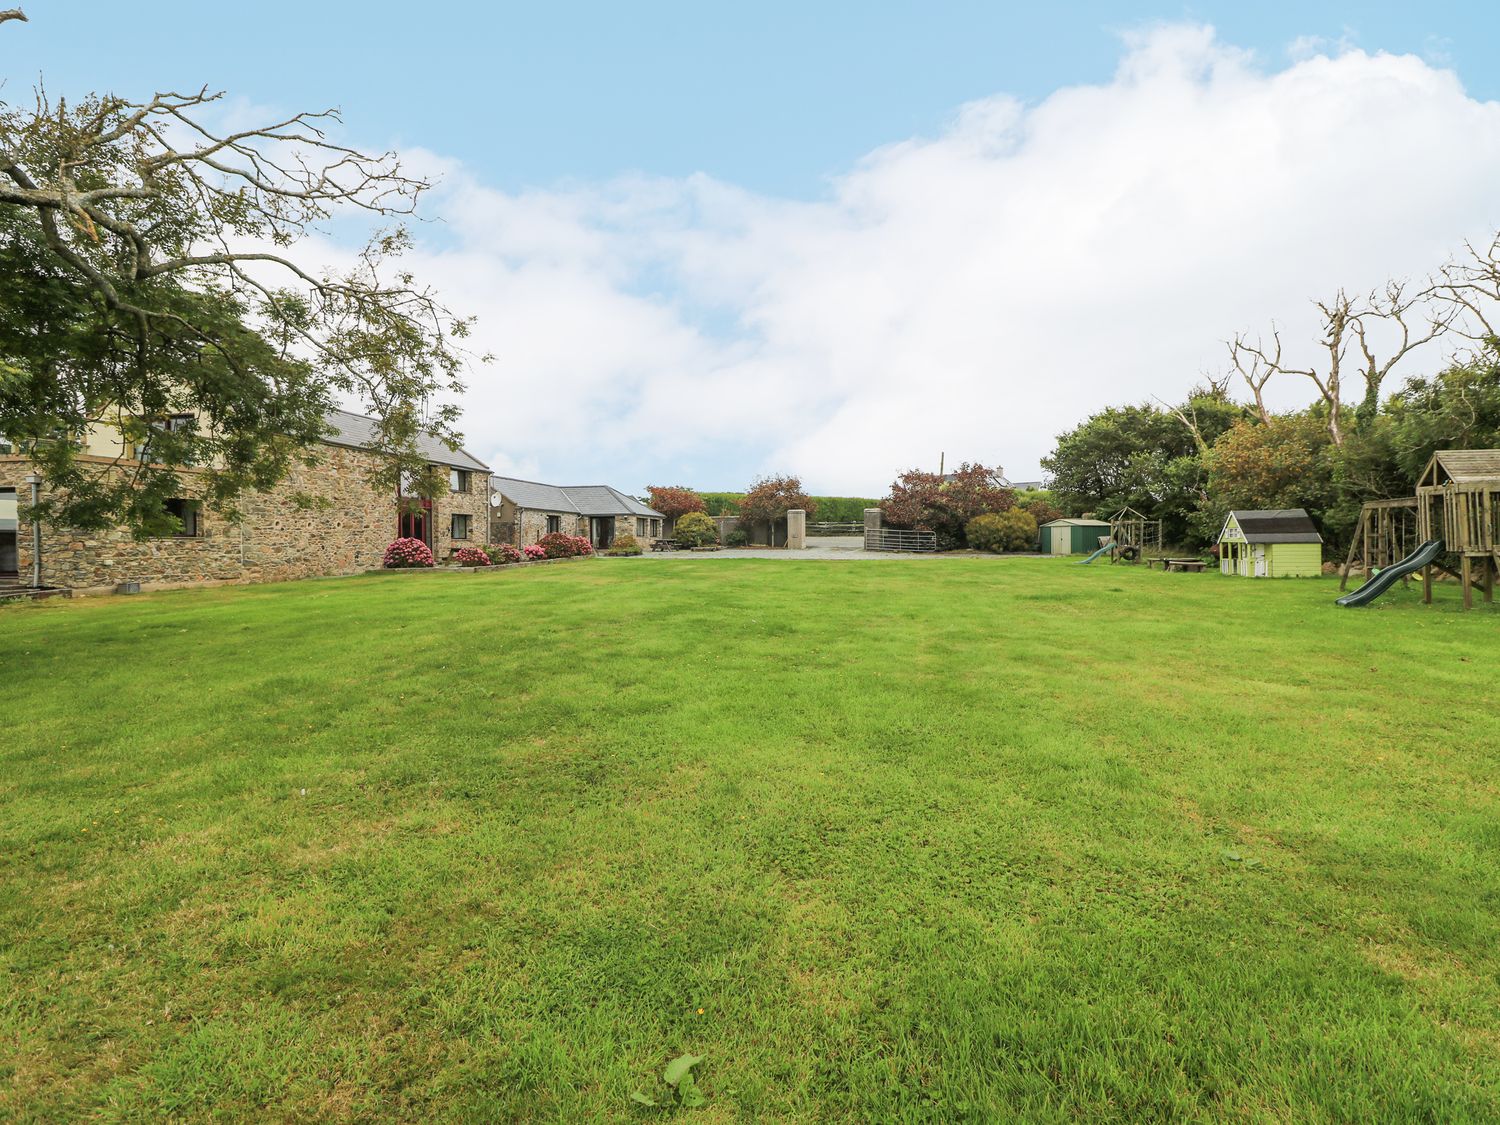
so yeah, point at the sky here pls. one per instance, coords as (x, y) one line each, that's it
(706, 242)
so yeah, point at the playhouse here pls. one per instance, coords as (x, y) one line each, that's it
(1071, 537)
(1276, 543)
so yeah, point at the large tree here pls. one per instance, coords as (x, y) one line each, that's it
(770, 498)
(674, 500)
(1144, 457)
(156, 266)
(1458, 408)
(946, 504)
(1383, 327)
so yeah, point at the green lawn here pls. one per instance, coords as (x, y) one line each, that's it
(948, 840)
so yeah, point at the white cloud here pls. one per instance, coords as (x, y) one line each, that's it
(974, 293)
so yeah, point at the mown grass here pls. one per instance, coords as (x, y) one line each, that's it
(980, 840)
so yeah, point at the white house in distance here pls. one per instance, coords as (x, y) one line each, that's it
(1275, 543)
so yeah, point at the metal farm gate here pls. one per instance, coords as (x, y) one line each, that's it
(896, 539)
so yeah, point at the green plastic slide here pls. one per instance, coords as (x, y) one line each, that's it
(1425, 555)
(1107, 547)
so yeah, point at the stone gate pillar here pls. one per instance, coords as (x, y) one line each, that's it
(872, 519)
(796, 530)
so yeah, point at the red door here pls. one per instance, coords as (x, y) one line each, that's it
(417, 524)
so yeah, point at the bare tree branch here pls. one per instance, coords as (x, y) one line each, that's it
(1472, 287)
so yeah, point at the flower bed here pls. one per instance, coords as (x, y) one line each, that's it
(407, 554)
(560, 546)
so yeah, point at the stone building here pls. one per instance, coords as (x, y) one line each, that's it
(526, 510)
(276, 538)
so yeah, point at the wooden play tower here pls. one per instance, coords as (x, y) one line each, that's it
(1457, 501)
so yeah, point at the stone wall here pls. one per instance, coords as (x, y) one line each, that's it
(275, 540)
(475, 504)
(531, 524)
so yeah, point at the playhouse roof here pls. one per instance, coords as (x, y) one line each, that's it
(1276, 525)
(1462, 466)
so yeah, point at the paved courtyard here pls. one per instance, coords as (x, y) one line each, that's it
(825, 548)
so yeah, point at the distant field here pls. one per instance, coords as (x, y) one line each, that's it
(980, 840)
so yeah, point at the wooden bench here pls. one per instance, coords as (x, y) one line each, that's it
(1194, 566)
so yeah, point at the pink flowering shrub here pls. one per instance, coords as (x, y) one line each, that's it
(406, 553)
(533, 552)
(503, 553)
(471, 556)
(560, 546)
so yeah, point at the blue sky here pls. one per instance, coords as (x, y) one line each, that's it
(775, 96)
(708, 241)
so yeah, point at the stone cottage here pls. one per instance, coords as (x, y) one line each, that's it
(526, 510)
(275, 537)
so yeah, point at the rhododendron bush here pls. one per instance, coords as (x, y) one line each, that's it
(533, 552)
(503, 553)
(560, 546)
(404, 554)
(471, 556)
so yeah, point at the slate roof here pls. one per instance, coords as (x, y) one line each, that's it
(1276, 525)
(357, 431)
(583, 499)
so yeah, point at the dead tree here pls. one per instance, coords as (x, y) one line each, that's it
(1470, 286)
(1347, 321)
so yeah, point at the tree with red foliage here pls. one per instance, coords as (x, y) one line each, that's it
(770, 498)
(1043, 511)
(674, 500)
(945, 505)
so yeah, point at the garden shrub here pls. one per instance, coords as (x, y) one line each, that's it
(503, 553)
(736, 538)
(406, 554)
(1012, 530)
(533, 552)
(560, 546)
(471, 556)
(624, 545)
(695, 530)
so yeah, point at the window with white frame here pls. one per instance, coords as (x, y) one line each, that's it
(640, 525)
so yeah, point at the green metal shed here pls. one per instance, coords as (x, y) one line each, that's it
(1071, 537)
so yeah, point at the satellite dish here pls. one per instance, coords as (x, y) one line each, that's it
(496, 500)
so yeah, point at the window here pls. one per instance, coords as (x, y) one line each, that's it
(172, 424)
(5, 445)
(458, 480)
(459, 525)
(640, 526)
(554, 524)
(190, 514)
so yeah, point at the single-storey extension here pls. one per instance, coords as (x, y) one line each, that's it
(1271, 543)
(526, 510)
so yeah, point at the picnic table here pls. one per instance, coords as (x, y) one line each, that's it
(1194, 566)
(664, 544)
